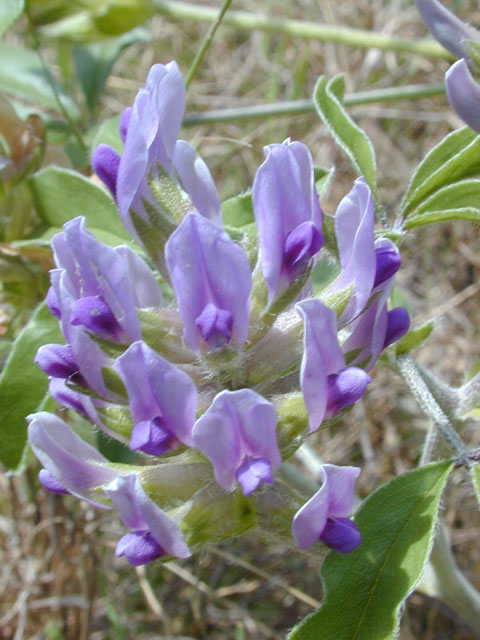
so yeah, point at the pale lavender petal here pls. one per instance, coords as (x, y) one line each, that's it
(311, 519)
(163, 528)
(354, 229)
(345, 388)
(253, 473)
(284, 198)
(322, 356)
(449, 30)
(388, 260)
(145, 290)
(158, 389)
(340, 483)
(398, 323)
(50, 483)
(122, 494)
(341, 535)
(76, 465)
(216, 435)
(204, 263)
(124, 122)
(197, 181)
(139, 547)
(464, 93)
(105, 163)
(52, 303)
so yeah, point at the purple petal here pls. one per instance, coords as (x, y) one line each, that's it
(341, 535)
(449, 30)
(197, 181)
(145, 290)
(95, 315)
(122, 494)
(398, 323)
(76, 465)
(284, 197)
(215, 326)
(203, 263)
(57, 360)
(345, 388)
(464, 93)
(301, 244)
(340, 483)
(253, 473)
(52, 303)
(50, 483)
(388, 261)
(124, 122)
(157, 388)
(311, 519)
(105, 163)
(354, 229)
(151, 436)
(139, 547)
(238, 424)
(322, 356)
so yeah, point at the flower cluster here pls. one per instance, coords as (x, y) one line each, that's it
(213, 392)
(463, 41)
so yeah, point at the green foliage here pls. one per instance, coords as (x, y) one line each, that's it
(107, 133)
(475, 475)
(24, 76)
(414, 338)
(23, 385)
(10, 10)
(60, 195)
(238, 210)
(440, 188)
(94, 62)
(328, 98)
(365, 589)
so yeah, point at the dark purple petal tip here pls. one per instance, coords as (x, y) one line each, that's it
(50, 483)
(152, 436)
(341, 535)
(252, 473)
(301, 244)
(139, 547)
(95, 315)
(388, 262)
(215, 326)
(105, 163)
(345, 388)
(52, 303)
(398, 323)
(56, 360)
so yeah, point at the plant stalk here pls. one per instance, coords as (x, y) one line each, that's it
(357, 38)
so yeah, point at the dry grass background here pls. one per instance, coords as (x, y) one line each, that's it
(59, 578)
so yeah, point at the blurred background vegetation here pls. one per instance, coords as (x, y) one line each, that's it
(68, 69)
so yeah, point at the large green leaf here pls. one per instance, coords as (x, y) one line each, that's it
(10, 10)
(432, 217)
(23, 384)
(457, 201)
(365, 589)
(23, 75)
(60, 195)
(328, 98)
(457, 156)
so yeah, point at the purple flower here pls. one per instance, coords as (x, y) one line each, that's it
(50, 483)
(354, 230)
(237, 434)
(70, 462)
(464, 93)
(163, 400)
(154, 533)
(287, 213)
(212, 281)
(324, 517)
(449, 30)
(328, 385)
(150, 129)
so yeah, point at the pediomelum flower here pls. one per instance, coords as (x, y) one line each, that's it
(216, 386)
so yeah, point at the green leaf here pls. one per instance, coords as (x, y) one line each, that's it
(24, 76)
(107, 133)
(117, 16)
(60, 195)
(414, 338)
(328, 97)
(365, 589)
(23, 384)
(460, 195)
(475, 475)
(457, 156)
(432, 217)
(323, 178)
(10, 10)
(238, 210)
(94, 62)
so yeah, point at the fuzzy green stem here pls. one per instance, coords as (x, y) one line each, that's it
(301, 107)
(357, 38)
(206, 43)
